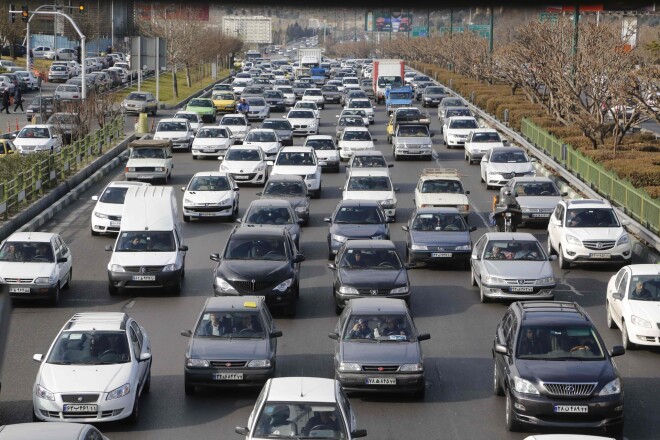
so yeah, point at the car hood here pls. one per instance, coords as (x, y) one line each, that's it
(9, 269)
(483, 146)
(649, 310)
(440, 238)
(135, 102)
(327, 154)
(20, 142)
(374, 278)
(566, 371)
(237, 128)
(295, 201)
(109, 208)
(268, 147)
(143, 258)
(538, 202)
(301, 121)
(229, 349)
(458, 131)
(258, 108)
(518, 269)
(298, 170)
(357, 145)
(596, 233)
(385, 352)
(201, 109)
(84, 378)
(243, 166)
(506, 168)
(211, 142)
(399, 101)
(449, 199)
(358, 231)
(206, 196)
(368, 195)
(253, 269)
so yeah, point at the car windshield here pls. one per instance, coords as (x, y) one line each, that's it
(114, 195)
(645, 288)
(435, 90)
(591, 218)
(369, 162)
(356, 135)
(559, 342)
(379, 327)
(351, 121)
(369, 183)
(307, 104)
(355, 112)
(34, 132)
(535, 189)
(359, 104)
(261, 136)
(385, 259)
(313, 92)
(90, 348)
(145, 241)
(509, 157)
(486, 137)
(200, 103)
(321, 144)
(399, 95)
(461, 111)
(269, 215)
(232, 121)
(301, 114)
(230, 324)
(210, 132)
(288, 90)
(256, 249)
(27, 252)
(209, 183)
(463, 123)
(223, 96)
(148, 153)
(58, 68)
(285, 189)
(439, 222)
(290, 420)
(175, 126)
(256, 102)
(297, 158)
(514, 250)
(442, 186)
(272, 94)
(243, 155)
(452, 102)
(136, 97)
(329, 88)
(359, 215)
(413, 131)
(421, 78)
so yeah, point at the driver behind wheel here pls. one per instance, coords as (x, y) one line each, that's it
(321, 421)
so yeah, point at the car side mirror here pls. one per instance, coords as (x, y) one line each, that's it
(390, 220)
(276, 334)
(186, 333)
(108, 248)
(556, 222)
(432, 135)
(625, 223)
(259, 193)
(474, 257)
(484, 159)
(472, 228)
(375, 140)
(552, 258)
(467, 192)
(183, 188)
(238, 220)
(242, 430)
(145, 357)
(38, 357)
(62, 260)
(617, 350)
(169, 156)
(300, 221)
(298, 258)
(410, 265)
(424, 337)
(95, 198)
(332, 266)
(183, 248)
(215, 257)
(390, 165)
(358, 433)
(501, 349)
(505, 142)
(334, 336)
(327, 220)
(269, 163)
(405, 228)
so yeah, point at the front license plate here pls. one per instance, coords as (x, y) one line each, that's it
(601, 256)
(571, 409)
(208, 150)
(441, 255)
(228, 376)
(241, 177)
(206, 214)
(521, 289)
(80, 408)
(115, 223)
(19, 290)
(540, 215)
(144, 278)
(380, 381)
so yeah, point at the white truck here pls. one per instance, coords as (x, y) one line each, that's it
(310, 57)
(387, 73)
(442, 187)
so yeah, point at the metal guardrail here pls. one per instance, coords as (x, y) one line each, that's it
(44, 174)
(634, 202)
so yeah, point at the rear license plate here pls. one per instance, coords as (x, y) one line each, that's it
(115, 223)
(540, 215)
(80, 408)
(19, 290)
(145, 177)
(144, 278)
(521, 289)
(601, 256)
(323, 163)
(571, 409)
(380, 381)
(228, 376)
(441, 255)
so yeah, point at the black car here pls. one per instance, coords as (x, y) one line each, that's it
(19, 50)
(438, 236)
(233, 344)
(291, 188)
(40, 105)
(378, 347)
(554, 369)
(355, 220)
(368, 268)
(330, 93)
(275, 100)
(261, 261)
(433, 95)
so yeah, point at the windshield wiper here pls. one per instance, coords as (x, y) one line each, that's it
(59, 363)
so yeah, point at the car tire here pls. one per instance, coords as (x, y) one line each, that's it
(615, 431)
(194, 157)
(482, 296)
(147, 383)
(563, 263)
(608, 318)
(550, 250)
(69, 280)
(625, 339)
(498, 389)
(112, 290)
(135, 414)
(420, 392)
(94, 233)
(473, 280)
(53, 300)
(179, 286)
(511, 423)
(338, 309)
(186, 218)
(189, 389)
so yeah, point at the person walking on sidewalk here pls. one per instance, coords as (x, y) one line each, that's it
(18, 99)
(5, 100)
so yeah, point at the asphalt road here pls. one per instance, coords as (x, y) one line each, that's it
(459, 403)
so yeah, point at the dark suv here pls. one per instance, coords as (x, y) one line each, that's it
(553, 367)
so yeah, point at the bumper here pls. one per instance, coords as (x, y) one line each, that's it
(403, 382)
(256, 178)
(497, 180)
(476, 154)
(332, 99)
(437, 257)
(579, 254)
(506, 292)
(182, 145)
(332, 164)
(347, 152)
(277, 107)
(303, 131)
(34, 291)
(413, 151)
(104, 225)
(643, 335)
(257, 117)
(208, 212)
(455, 142)
(225, 109)
(146, 176)
(431, 102)
(107, 410)
(341, 299)
(273, 298)
(313, 184)
(209, 152)
(135, 110)
(125, 280)
(205, 377)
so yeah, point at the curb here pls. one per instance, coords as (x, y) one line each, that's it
(196, 94)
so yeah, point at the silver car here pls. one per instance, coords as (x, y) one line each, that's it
(537, 197)
(511, 266)
(67, 92)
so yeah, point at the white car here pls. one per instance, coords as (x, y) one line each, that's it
(289, 94)
(309, 105)
(212, 142)
(355, 112)
(239, 83)
(237, 123)
(35, 265)
(194, 119)
(633, 304)
(266, 139)
(355, 139)
(300, 161)
(259, 108)
(304, 122)
(36, 138)
(372, 184)
(326, 151)
(455, 130)
(441, 187)
(106, 215)
(177, 130)
(210, 194)
(315, 95)
(31, 81)
(502, 164)
(479, 142)
(588, 231)
(94, 371)
(39, 51)
(362, 104)
(246, 164)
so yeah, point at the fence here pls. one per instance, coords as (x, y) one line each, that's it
(634, 202)
(51, 168)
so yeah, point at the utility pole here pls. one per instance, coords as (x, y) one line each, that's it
(428, 23)
(355, 31)
(490, 38)
(451, 21)
(576, 19)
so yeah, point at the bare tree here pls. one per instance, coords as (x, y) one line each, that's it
(10, 33)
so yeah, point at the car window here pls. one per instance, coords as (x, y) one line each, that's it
(256, 249)
(301, 114)
(385, 259)
(591, 218)
(261, 136)
(359, 215)
(209, 183)
(136, 342)
(369, 183)
(90, 348)
(356, 135)
(285, 189)
(114, 195)
(526, 250)
(231, 324)
(559, 343)
(145, 241)
(232, 121)
(439, 222)
(243, 155)
(643, 287)
(176, 126)
(269, 215)
(282, 420)
(369, 162)
(27, 252)
(463, 123)
(34, 132)
(442, 186)
(486, 137)
(535, 189)
(206, 133)
(295, 158)
(379, 327)
(148, 153)
(508, 157)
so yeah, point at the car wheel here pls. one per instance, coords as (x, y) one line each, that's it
(94, 233)
(112, 290)
(178, 287)
(194, 157)
(69, 279)
(608, 312)
(338, 309)
(509, 416)
(186, 218)
(189, 389)
(550, 249)
(135, 414)
(482, 296)
(482, 178)
(563, 263)
(147, 383)
(625, 339)
(473, 280)
(467, 159)
(331, 256)
(290, 309)
(53, 300)
(498, 390)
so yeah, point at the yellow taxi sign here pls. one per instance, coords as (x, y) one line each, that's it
(250, 304)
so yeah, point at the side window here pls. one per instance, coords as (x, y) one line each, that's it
(65, 249)
(621, 287)
(506, 326)
(345, 406)
(513, 330)
(268, 318)
(135, 343)
(559, 212)
(617, 280)
(479, 247)
(138, 332)
(257, 407)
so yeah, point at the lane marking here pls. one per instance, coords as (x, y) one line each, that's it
(130, 304)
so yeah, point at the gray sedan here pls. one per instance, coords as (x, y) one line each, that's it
(537, 197)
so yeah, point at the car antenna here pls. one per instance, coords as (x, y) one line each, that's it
(301, 386)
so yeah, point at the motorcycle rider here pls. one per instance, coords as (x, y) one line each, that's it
(501, 205)
(243, 107)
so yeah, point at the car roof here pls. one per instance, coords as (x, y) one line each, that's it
(478, 130)
(551, 313)
(37, 431)
(459, 118)
(369, 153)
(533, 179)
(356, 128)
(176, 119)
(270, 202)
(438, 210)
(285, 177)
(297, 149)
(384, 305)
(260, 232)
(369, 244)
(245, 147)
(302, 389)
(97, 321)
(644, 269)
(588, 203)
(510, 236)
(319, 136)
(267, 130)
(211, 173)
(358, 202)
(500, 149)
(234, 115)
(126, 184)
(36, 237)
(248, 302)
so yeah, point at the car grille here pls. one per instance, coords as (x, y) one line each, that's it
(516, 282)
(570, 389)
(114, 217)
(78, 415)
(145, 169)
(228, 364)
(399, 105)
(299, 126)
(247, 287)
(441, 248)
(598, 245)
(210, 208)
(374, 291)
(80, 398)
(147, 269)
(380, 368)
(19, 280)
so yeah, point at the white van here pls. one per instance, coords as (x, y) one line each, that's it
(149, 251)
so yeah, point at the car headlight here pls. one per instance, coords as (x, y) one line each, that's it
(284, 285)
(225, 201)
(524, 386)
(197, 363)
(159, 169)
(100, 215)
(169, 268)
(224, 167)
(339, 238)
(45, 280)
(301, 208)
(348, 290)
(188, 201)
(43, 393)
(419, 247)
(224, 285)
(465, 247)
(399, 290)
(640, 322)
(613, 387)
(130, 169)
(411, 367)
(548, 280)
(349, 366)
(572, 239)
(260, 167)
(387, 202)
(119, 392)
(259, 363)
(427, 146)
(624, 239)
(494, 280)
(116, 268)
(310, 176)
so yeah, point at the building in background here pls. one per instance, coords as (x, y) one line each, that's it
(250, 29)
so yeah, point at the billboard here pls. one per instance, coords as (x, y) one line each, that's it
(393, 20)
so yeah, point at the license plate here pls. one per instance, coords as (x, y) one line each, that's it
(571, 409)
(206, 214)
(441, 255)
(145, 177)
(602, 256)
(208, 151)
(521, 289)
(115, 223)
(80, 408)
(323, 163)
(540, 215)
(380, 381)
(228, 376)
(144, 278)
(241, 177)
(19, 290)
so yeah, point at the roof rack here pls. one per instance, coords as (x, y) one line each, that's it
(547, 306)
(440, 172)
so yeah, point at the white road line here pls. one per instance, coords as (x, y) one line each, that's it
(571, 288)
(130, 304)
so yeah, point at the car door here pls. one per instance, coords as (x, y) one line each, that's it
(270, 326)
(554, 226)
(180, 254)
(339, 329)
(503, 329)
(619, 296)
(62, 251)
(136, 339)
(476, 259)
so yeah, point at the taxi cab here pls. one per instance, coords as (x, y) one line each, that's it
(224, 101)
(6, 147)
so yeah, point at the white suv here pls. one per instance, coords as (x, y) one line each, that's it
(300, 161)
(588, 231)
